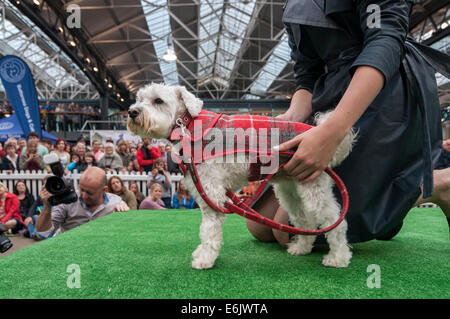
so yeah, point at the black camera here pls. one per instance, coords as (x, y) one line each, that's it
(5, 243)
(62, 190)
(160, 171)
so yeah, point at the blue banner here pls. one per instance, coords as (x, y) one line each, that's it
(21, 92)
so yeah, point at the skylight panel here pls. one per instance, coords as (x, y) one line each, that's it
(210, 14)
(275, 64)
(158, 23)
(235, 23)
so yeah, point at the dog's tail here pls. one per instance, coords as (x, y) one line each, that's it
(346, 145)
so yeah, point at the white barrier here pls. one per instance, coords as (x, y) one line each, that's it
(34, 180)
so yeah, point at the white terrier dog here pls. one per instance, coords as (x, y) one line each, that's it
(310, 205)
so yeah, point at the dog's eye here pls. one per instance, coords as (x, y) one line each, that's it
(158, 101)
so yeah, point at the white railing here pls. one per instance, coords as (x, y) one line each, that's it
(34, 180)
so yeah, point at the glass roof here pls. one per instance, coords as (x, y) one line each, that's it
(15, 42)
(274, 66)
(158, 23)
(222, 31)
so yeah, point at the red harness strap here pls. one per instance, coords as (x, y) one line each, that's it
(242, 207)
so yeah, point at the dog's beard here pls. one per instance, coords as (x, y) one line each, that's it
(155, 126)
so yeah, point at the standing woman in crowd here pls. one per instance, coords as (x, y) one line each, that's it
(25, 197)
(153, 201)
(363, 67)
(111, 160)
(133, 187)
(115, 186)
(11, 160)
(10, 210)
(30, 159)
(60, 150)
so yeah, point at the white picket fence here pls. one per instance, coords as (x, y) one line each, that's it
(34, 180)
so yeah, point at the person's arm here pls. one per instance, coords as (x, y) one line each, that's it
(317, 145)
(308, 67)
(44, 221)
(378, 61)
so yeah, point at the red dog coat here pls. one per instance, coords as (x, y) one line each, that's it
(211, 135)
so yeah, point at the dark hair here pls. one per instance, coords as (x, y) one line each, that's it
(60, 140)
(16, 192)
(33, 134)
(47, 140)
(110, 190)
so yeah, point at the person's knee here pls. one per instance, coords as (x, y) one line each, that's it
(260, 232)
(11, 223)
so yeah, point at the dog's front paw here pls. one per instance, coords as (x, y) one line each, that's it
(298, 248)
(200, 264)
(203, 258)
(337, 261)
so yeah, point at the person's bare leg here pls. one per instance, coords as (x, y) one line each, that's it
(441, 192)
(267, 206)
(281, 217)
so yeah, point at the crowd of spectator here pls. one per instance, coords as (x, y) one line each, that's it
(67, 117)
(60, 117)
(19, 210)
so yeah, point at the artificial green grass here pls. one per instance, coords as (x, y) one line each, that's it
(146, 254)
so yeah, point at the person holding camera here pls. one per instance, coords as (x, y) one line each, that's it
(94, 202)
(161, 176)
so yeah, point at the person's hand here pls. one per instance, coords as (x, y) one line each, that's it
(315, 148)
(44, 194)
(154, 172)
(121, 207)
(27, 221)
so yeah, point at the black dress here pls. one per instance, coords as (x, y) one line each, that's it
(399, 135)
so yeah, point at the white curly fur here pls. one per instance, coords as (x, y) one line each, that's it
(309, 205)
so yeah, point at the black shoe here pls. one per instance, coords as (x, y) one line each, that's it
(391, 234)
(26, 234)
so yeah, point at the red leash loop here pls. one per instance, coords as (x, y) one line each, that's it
(242, 207)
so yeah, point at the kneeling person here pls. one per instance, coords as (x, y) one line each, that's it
(93, 202)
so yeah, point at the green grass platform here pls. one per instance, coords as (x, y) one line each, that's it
(144, 254)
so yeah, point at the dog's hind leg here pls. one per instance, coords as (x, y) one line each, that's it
(286, 192)
(320, 203)
(340, 254)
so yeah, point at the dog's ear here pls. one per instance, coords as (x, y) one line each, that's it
(193, 104)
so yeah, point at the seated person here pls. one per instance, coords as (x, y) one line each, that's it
(115, 186)
(154, 200)
(94, 202)
(183, 199)
(10, 210)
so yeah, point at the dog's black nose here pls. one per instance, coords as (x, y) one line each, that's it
(133, 114)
